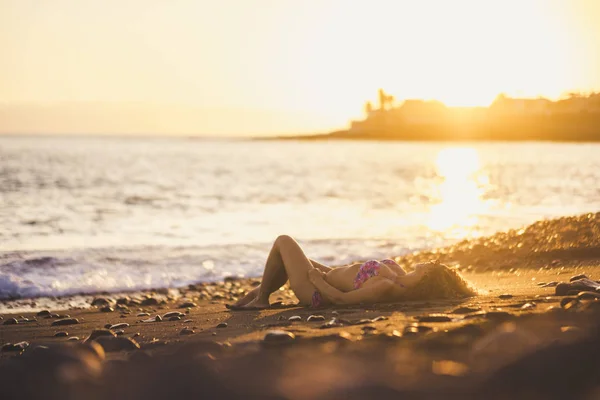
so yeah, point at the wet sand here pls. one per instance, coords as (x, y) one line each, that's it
(517, 339)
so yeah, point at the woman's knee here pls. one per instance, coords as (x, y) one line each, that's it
(282, 240)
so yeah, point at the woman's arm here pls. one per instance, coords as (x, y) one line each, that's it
(320, 266)
(368, 294)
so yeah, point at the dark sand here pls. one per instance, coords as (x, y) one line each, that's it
(526, 345)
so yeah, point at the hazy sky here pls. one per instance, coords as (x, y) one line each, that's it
(294, 65)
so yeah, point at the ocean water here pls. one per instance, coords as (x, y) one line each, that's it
(84, 215)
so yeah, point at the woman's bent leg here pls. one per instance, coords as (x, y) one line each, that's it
(286, 261)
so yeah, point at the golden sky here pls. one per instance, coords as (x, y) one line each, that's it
(293, 65)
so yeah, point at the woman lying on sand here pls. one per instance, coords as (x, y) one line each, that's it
(316, 285)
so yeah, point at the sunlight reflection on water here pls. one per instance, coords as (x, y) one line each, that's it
(459, 194)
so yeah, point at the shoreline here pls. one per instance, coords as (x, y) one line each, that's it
(521, 337)
(528, 245)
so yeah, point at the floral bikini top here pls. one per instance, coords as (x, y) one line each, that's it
(365, 271)
(369, 269)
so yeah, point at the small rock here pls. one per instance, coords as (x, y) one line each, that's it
(505, 296)
(10, 321)
(119, 332)
(188, 304)
(157, 318)
(434, 318)
(187, 331)
(21, 346)
(528, 306)
(107, 309)
(100, 302)
(278, 337)
(566, 300)
(222, 325)
(333, 323)
(588, 295)
(43, 313)
(96, 333)
(73, 338)
(123, 300)
(149, 301)
(380, 318)
(136, 334)
(577, 277)
(173, 314)
(61, 334)
(313, 318)
(119, 326)
(295, 318)
(65, 321)
(143, 314)
(175, 318)
(187, 321)
(464, 310)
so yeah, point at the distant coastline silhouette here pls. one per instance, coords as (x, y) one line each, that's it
(575, 118)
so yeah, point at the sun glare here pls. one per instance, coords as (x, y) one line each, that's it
(459, 193)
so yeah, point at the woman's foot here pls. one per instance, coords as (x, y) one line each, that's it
(257, 304)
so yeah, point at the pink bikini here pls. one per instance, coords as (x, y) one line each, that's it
(367, 270)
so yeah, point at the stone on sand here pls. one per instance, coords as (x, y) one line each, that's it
(65, 321)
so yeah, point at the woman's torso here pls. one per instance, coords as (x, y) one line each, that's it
(343, 278)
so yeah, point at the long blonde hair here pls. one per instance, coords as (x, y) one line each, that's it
(439, 282)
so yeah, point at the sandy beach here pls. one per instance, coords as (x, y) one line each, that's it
(523, 336)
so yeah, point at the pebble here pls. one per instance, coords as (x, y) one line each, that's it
(528, 306)
(65, 321)
(278, 337)
(187, 331)
(61, 334)
(222, 325)
(505, 296)
(380, 318)
(21, 346)
(569, 329)
(96, 333)
(314, 318)
(155, 319)
(464, 310)
(100, 301)
(10, 321)
(143, 314)
(136, 334)
(434, 318)
(119, 332)
(123, 300)
(107, 309)
(73, 338)
(566, 300)
(117, 343)
(173, 314)
(188, 304)
(577, 277)
(295, 318)
(588, 295)
(333, 323)
(149, 301)
(43, 313)
(119, 326)
(187, 321)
